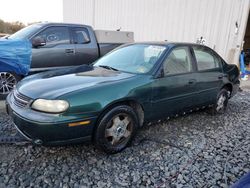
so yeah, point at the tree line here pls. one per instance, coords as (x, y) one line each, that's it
(10, 27)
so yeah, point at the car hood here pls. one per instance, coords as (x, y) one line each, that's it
(52, 84)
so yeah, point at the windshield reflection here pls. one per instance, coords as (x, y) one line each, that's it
(136, 58)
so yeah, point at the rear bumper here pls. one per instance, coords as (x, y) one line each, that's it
(48, 132)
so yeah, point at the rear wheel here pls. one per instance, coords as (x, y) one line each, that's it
(116, 129)
(7, 83)
(221, 102)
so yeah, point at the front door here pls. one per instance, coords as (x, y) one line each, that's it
(174, 92)
(57, 52)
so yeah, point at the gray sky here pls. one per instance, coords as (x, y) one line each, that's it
(28, 11)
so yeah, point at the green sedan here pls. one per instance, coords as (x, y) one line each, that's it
(107, 102)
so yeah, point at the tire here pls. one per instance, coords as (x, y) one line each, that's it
(116, 129)
(7, 83)
(220, 105)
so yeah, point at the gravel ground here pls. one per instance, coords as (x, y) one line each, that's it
(196, 150)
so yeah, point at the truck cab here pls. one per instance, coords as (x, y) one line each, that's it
(57, 45)
(61, 45)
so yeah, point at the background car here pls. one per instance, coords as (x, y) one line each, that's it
(58, 45)
(108, 101)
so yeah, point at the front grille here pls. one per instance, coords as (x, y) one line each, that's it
(20, 100)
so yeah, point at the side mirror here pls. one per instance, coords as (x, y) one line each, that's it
(38, 41)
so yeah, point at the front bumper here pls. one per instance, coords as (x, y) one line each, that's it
(49, 129)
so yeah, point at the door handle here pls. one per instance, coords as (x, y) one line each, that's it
(192, 81)
(69, 51)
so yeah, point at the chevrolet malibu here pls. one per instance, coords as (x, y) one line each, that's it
(108, 101)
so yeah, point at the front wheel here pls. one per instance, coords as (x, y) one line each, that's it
(7, 83)
(116, 129)
(221, 102)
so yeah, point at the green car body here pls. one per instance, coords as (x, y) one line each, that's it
(92, 91)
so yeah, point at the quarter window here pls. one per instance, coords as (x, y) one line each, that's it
(205, 59)
(178, 61)
(55, 35)
(81, 36)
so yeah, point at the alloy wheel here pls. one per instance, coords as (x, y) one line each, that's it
(119, 129)
(7, 82)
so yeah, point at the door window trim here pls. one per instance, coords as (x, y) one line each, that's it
(72, 34)
(36, 34)
(183, 73)
(211, 52)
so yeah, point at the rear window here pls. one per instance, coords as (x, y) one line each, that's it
(81, 36)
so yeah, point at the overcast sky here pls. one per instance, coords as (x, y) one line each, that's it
(28, 11)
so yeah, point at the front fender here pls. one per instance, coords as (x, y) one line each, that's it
(94, 100)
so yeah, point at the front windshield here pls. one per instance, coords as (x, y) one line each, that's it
(137, 58)
(25, 32)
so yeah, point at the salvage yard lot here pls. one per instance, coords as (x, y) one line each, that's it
(196, 150)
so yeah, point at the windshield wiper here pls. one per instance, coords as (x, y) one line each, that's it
(108, 67)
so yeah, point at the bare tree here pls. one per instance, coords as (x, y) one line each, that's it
(9, 28)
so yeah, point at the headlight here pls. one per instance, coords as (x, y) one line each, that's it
(50, 106)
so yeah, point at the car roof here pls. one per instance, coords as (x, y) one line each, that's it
(61, 24)
(168, 43)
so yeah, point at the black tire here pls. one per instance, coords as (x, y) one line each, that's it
(220, 105)
(10, 79)
(112, 126)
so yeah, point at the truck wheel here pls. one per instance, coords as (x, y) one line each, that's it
(221, 103)
(116, 129)
(7, 83)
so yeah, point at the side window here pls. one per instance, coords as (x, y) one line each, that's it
(205, 59)
(178, 61)
(81, 36)
(55, 35)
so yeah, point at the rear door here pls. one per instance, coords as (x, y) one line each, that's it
(174, 91)
(57, 52)
(209, 74)
(86, 50)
